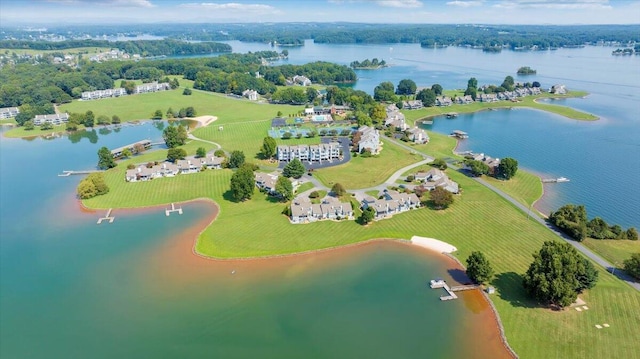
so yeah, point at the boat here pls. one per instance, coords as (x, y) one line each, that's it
(562, 179)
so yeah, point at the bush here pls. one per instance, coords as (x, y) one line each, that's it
(187, 92)
(314, 194)
(131, 166)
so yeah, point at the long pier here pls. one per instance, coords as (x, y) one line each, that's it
(451, 290)
(69, 173)
(167, 212)
(107, 217)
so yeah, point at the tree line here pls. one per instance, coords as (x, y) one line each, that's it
(573, 221)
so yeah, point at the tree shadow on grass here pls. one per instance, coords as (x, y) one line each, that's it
(459, 276)
(509, 286)
(228, 196)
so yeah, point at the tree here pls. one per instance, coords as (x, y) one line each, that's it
(368, 215)
(378, 112)
(473, 82)
(91, 186)
(406, 87)
(126, 153)
(427, 96)
(186, 92)
(508, 83)
(105, 159)
(28, 125)
(201, 152)
(103, 120)
(558, 274)
(138, 148)
(89, 119)
(477, 168)
(242, 183)
(384, 92)
(478, 268)
(338, 189)
(284, 188)
(219, 153)
(632, 234)
(437, 89)
(507, 168)
(174, 136)
(236, 159)
(632, 265)
(268, 148)
(441, 198)
(86, 189)
(190, 111)
(439, 163)
(294, 169)
(572, 220)
(157, 115)
(176, 153)
(115, 119)
(311, 93)
(363, 119)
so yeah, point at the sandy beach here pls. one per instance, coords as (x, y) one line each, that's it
(203, 121)
(433, 244)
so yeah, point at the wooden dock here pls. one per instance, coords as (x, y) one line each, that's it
(107, 217)
(167, 212)
(555, 180)
(451, 290)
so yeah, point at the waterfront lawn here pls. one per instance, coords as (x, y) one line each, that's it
(85, 51)
(615, 251)
(362, 172)
(142, 106)
(524, 187)
(439, 146)
(21, 132)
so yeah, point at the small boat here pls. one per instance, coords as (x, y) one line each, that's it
(562, 179)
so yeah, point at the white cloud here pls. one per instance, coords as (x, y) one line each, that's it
(555, 4)
(400, 3)
(233, 7)
(464, 3)
(119, 3)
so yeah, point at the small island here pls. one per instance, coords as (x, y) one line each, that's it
(526, 70)
(367, 64)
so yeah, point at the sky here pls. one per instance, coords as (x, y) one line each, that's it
(554, 12)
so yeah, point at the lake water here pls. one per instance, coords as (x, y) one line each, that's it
(133, 288)
(602, 158)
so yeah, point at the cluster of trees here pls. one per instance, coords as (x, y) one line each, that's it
(632, 265)
(573, 221)
(243, 182)
(367, 64)
(526, 70)
(174, 136)
(295, 95)
(105, 159)
(188, 111)
(507, 168)
(558, 274)
(479, 269)
(386, 92)
(91, 186)
(167, 47)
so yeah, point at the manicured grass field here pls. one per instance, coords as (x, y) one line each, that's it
(363, 172)
(524, 187)
(612, 250)
(20, 132)
(85, 51)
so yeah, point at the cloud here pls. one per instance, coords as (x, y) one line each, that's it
(555, 4)
(233, 7)
(399, 3)
(119, 3)
(464, 3)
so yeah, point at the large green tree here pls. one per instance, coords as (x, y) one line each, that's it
(174, 154)
(477, 168)
(338, 189)
(242, 183)
(406, 87)
(385, 92)
(572, 220)
(632, 265)
(478, 268)
(558, 274)
(427, 96)
(105, 159)
(269, 147)
(441, 198)
(174, 136)
(294, 169)
(507, 168)
(368, 215)
(284, 188)
(236, 159)
(437, 88)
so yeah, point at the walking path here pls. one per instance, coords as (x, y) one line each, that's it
(192, 137)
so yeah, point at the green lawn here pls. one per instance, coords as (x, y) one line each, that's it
(363, 172)
(613, 250)
(86, 51)
(20, 132)
(524, 187)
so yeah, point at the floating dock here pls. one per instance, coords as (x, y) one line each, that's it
(69, 173)
(107, 217)
(459, 134)
(434, 284)
(555, 180)
(167, 212)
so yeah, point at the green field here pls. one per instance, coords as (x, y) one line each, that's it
(612, 250)
(85, 51)
(363, 172)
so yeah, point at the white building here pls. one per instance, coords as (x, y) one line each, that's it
(320, 152)
(9, 112)
(418, 135)
(152, 87)
(369, 140)
(54, 119)
(98, 94)
(250, 94)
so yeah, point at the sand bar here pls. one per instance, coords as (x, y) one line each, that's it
(433, 244)
(203, 120)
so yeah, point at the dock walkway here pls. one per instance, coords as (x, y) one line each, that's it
(107, 217)
(167, 212)
(69, 173)
(451, 290)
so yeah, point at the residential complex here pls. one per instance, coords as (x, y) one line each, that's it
(320, 152)
(392, 202)
(98, 94)
(369, 140)
(302, 210)
(436, 178)
(9, 112)
(54, 119)
(191, 164)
